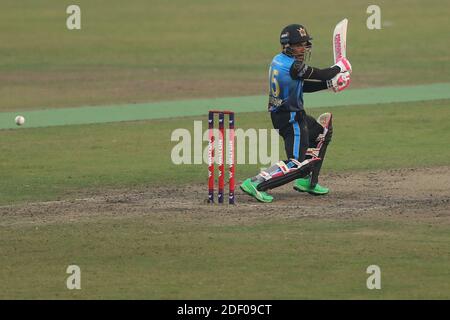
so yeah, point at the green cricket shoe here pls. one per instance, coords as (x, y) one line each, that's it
(249, 187)
(303, 185)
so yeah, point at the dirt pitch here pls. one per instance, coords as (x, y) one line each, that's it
(410, 193)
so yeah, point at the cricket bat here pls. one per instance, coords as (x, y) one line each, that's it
(340, 40)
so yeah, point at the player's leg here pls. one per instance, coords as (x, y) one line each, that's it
(323, 149)
(284, 172)
(280, 122)
(320, 137)
(295, 135)
(293, 129)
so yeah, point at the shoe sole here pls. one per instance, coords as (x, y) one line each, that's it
(299, 190)
(310, 192)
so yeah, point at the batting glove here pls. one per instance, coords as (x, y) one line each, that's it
(344, 65)
(340, 82)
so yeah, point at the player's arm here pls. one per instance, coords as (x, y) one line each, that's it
(299, 70)
(313, 86)
(340, 82)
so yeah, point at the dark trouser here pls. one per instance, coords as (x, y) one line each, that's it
(299, 132)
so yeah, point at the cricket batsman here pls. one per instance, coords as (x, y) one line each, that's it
(305, 139)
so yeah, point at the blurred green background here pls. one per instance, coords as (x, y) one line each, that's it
(165, 50)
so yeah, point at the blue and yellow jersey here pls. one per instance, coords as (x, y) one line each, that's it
(285, 93)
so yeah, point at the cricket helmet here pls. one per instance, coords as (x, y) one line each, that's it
(295, 34)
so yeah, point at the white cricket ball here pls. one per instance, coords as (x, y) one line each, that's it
(20, 120)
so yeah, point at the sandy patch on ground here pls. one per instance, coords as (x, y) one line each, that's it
(417, 193)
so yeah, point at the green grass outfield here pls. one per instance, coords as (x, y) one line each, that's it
(58, 162)
(171, 257)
